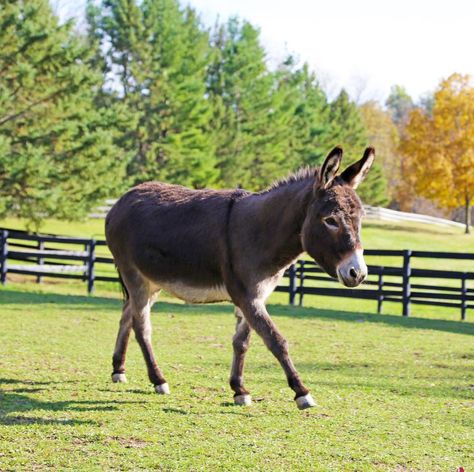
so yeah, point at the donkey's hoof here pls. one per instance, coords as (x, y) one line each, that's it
(163, 389)
(305, 401)
(119, 378)
(243, 400)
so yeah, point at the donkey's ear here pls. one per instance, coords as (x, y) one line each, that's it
(356, 173)
(329, 169)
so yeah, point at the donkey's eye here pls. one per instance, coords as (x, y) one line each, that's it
(331, 222)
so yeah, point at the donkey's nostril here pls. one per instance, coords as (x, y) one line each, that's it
(353, 272)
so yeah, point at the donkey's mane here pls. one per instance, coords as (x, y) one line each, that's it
(301, 174)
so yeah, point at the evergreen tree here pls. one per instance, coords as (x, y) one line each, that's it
(250, 114)
(157, 55)
(349, 131)
(56, 153)
(374, 189)
(347, 125)
(399, 104)
(311, 135)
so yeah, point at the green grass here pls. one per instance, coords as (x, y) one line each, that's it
(393, 393)
(89, 228)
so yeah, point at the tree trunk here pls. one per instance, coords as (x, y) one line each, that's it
(467, 216)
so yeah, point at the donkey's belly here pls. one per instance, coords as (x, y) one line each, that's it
(193, 294)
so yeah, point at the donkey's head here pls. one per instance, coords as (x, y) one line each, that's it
(331, 230)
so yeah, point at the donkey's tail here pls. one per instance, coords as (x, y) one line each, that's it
(125, 293)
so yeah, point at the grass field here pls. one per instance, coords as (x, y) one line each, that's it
(393, 393)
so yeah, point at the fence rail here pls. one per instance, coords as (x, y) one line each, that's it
(88, 260)
(404, 290)
(381, 213)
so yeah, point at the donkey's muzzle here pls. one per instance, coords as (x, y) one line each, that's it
(352, 270)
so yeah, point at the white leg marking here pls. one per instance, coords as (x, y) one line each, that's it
(243, 400)
(119, 378)
(163, 389)
(305, 402)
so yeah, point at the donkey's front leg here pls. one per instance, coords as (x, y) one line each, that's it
(240, 343)
(258, 318)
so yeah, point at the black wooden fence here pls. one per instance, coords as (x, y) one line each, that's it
(406, 285)
(88, 260)
(69, 258)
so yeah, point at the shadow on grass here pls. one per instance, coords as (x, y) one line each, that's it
(460, 392)
(459, 327)
(78, 302)
(81, 302)
(423, 382)
(18, 297)
(14, 404)
(229, 409)
(6, 381)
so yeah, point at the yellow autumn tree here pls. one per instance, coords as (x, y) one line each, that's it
(438, 147)
(383, 135)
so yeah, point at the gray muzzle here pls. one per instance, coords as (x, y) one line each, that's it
(352, 271)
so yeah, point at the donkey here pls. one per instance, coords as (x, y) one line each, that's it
(232, 245)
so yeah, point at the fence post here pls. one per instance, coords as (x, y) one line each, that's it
(406, 282)
(463, 296)
(301, 288)
(3, 256)
(292, 285)
(39, 278)
(90, 266)
(380, 294)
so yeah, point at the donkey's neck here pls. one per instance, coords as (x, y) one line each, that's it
(279, 214)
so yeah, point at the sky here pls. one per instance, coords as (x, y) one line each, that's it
(365, 46)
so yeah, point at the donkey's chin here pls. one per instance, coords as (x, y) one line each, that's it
(329, 270)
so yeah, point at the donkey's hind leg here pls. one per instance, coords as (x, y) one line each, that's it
(240, 343)
(121, 344)
(142, 300)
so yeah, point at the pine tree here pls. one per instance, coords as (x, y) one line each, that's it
(311, 135)
(158, 55)
(249, 112)
(399, 104)
(57, 157)
(347, 125)
(349, 131)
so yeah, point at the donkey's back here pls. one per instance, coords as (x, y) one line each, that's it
(170, 234)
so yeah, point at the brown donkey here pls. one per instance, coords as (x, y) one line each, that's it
(214, 245)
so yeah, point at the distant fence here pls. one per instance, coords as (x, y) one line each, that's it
(101, 211)
(394, 215)
(378, 213)
(78, 258)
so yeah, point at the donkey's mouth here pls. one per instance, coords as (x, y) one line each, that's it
(352, 271)
(349, 282)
